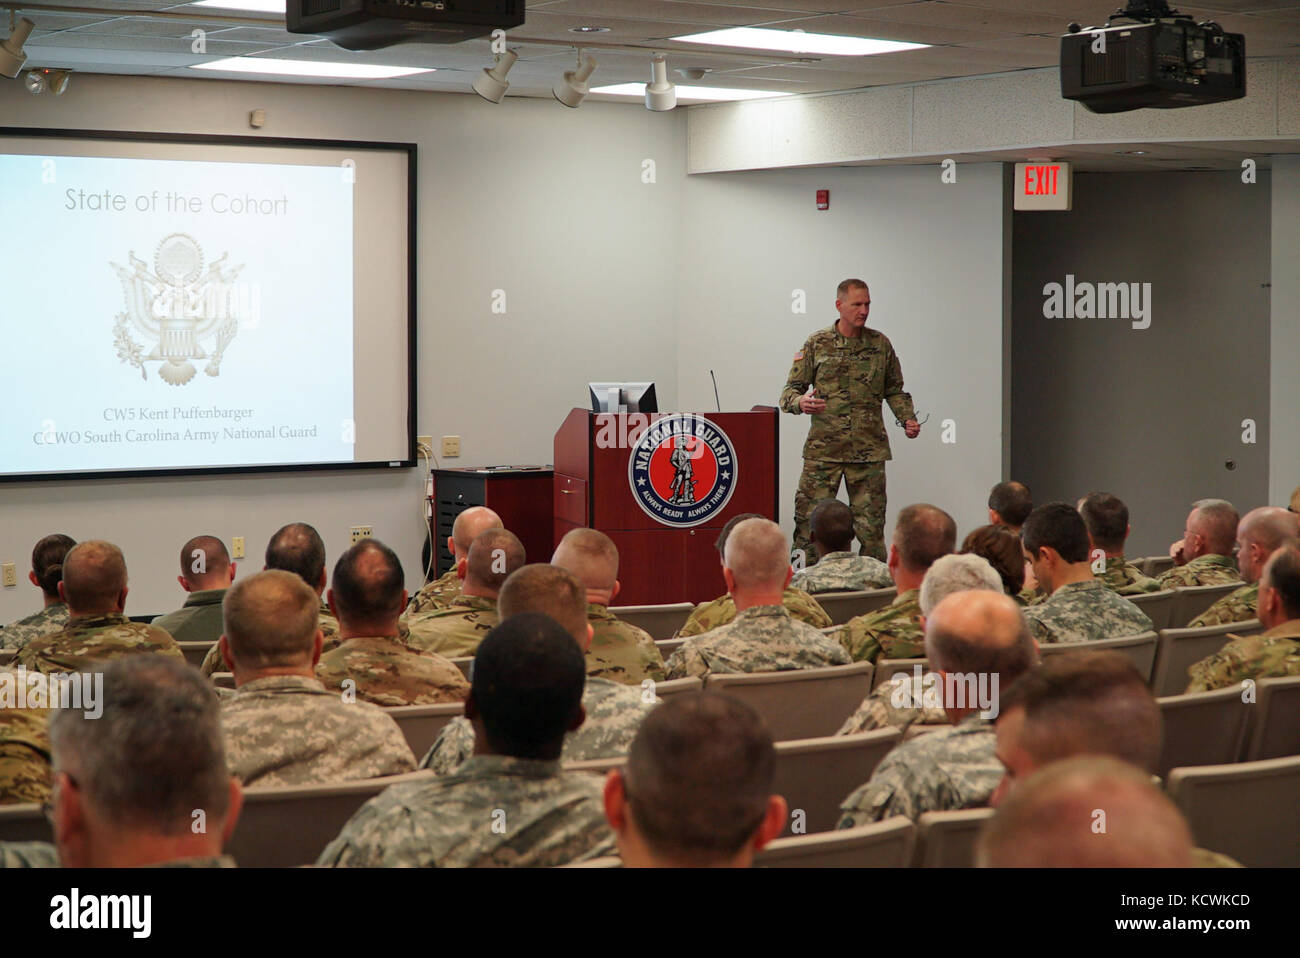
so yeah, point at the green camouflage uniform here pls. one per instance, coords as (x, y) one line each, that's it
(24, 743)
(386, 671)
(456, 630)
(708, 616)
(49, 620)
(28, 855)
(1240, 605)
(325, 621)
(763, 638)
(614, 713)
(1034, 596)
(1203, 570)
(89, 639)
(288, 730)
(943, 771)
(198, 620)
(1084, 611)
(899, 703)
(1123, 577)
(848, 440)
(620, 651)
(436, 594)
(843, 572)
(1268, 655)
(496, 811)
(893, 632)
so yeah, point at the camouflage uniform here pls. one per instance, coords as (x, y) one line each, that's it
(614, 713)
(326, 622)
(1084, 611)
(496, 811)
(893, 632)
(288, 730)
(386, 671)
(1203, 570)
(24, 744)
(198, 620)
(51, 619)
(899, 703)
(843, 571)
(89, 639)
(1123, 577)
(1269, 655)
(943, 771)
(763, 638)
(28, 855)
(1034, 596)
(456, 630)
(209, 861)
(620, 651)
(1241, 605)
(436, 594)
(708, 616)
(848, 440)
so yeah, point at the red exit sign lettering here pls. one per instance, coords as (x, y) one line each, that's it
(1043, 186)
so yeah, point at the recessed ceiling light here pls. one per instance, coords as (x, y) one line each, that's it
(256, 6)
(589, 29)
(699, 93)
(309, 68)
(796, 41)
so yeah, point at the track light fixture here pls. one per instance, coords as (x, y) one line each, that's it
(660, 95)
(572, 88)
(12, 55)
(491, 84)
(55, 81)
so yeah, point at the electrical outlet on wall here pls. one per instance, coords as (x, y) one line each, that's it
(237, 547)
(361, 532)
(10, 574)
(451, 446)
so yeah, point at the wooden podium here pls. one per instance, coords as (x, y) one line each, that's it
(664, 559)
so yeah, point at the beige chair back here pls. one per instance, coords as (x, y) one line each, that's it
(422, 723)
(1158, 606)
(800, 703)
(1250, 811)
(1204, 728)
(816, 774)
(194, 652)
(1275, 723)
(1193, 601)
(1180, 649)
(948, 839)
(609, 861)
(661, 621)
(666, 690)
(1154, 565)
(842, 606)
(24, 823)
(886, 669)
(668, 646)
(886, 844)
(1140, 650)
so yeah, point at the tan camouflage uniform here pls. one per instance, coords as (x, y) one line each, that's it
(943, 771)
(1203, 570)
(708, 616)
(288, 730)
(386, 671)
(94, 638)
(326, 622)
(1085, 611)
(49, 620)
(763, 638)
(457, 630)
(1240, 605)
(28, 855)
(848, 440)
(614, 713)
(893, 632)
(620, 651)
(1268, 655)
(899, 703)
(496, 811)
(1124, 578)
(436, 594)
(24, 743)
(1034, 596)
(198, 620)
(843, 572)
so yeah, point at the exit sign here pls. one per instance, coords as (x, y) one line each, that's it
(1042, 186)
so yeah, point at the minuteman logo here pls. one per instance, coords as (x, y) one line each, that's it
(682, 470)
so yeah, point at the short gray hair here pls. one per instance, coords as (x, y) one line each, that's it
(957, 573)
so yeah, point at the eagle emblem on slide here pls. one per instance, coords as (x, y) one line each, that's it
(179, 306)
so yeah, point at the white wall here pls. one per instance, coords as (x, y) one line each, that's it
(1284, 347)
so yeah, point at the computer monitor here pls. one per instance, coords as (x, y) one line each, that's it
(623, 397)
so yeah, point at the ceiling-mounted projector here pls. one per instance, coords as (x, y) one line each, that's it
(372, 24)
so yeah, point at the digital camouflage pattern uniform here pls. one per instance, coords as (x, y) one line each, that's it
(1203, 570)
(49, 620)
(763, 638)
(24, 742)
(386, 671)
(288, 730)
(1027, 596)
(943, 771)
(28, 855)
(436, 594)
(198, 620)
(899, 703)
(708, 616)
(457, 630)
(1124, 578)
(1267, 655)
(893, 632)
(843, 572)
(1085, 611)
(847, 440)
(496, 811)
(614, 713)
(89, 639)
(326, 622)
(620, 651)
(1241, 605)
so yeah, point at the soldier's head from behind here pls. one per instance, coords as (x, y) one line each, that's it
(526, 690)
(1000, 547)
(1087, 812)
(368, 590)
(697, 787)
(922, 534)
(48, 556)
(1055, 541)
(593, 558)
(145, 781)
(94, 579)
(468, 526)
(956, 573)
(831, 527)
(492, 556)
(1279, 587)
(551, 591)
(205, 564)
(1010, 503)
(1260, 532)
(271, 627)
(978, 644)
(1105, 517)
(1076, 703)
(731, 523)
(298, 548)
(756, 563)
(1211, 529)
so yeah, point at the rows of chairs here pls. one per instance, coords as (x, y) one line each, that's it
(1175, 608)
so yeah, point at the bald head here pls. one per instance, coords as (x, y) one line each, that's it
(591, 556)
(756, 556)
(1279, 586)
(979, 633)
(1214, 523)
(1091, 812)
(94, 578)
(205, 563)
(270, 622)
(1260, 532)
(493, 555)
(471, 524)
(298, 548)
(369, 591)
(550, 591)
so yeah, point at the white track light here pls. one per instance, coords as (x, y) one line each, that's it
(660, 95)
(572, 87)
(491, 83)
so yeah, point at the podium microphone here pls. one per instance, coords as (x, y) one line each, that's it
(715, 390)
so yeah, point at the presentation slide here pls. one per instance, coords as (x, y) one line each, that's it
(167, 313)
